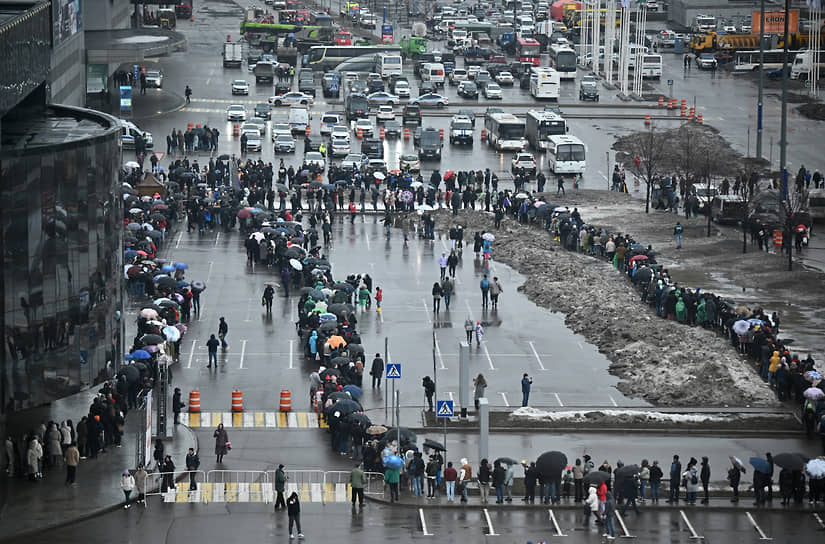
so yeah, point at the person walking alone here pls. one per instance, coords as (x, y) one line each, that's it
(222, 444)
(495, 291)
(442, 264)
(223, 330)
(377, 371)
(177, 404)
(293, 510)
(212, 346)
(280, 486)
(269, 294)
(677, 231)
(479, 333)
(193, 462)
(357, 481)
(526, 385)
(72, 459)
(127, 484)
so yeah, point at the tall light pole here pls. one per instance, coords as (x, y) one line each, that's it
(783, 128)
(761, 81)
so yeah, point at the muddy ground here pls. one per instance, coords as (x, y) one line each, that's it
(665, 363)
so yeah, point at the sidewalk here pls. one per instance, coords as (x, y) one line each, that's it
(27, 507)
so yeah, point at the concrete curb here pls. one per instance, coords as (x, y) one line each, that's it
(91, 513)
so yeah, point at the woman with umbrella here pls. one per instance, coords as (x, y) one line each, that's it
(734, 476)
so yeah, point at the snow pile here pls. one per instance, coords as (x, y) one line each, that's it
(661, 361)
(573, 416)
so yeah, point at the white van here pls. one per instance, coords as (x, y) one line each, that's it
(329, 120)
(434, 73)
(129, 132)
(298, 119)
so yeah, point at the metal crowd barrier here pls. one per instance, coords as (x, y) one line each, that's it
(238, 486)
(172, 490)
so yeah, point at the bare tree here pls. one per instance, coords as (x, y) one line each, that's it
(790, 211)
(749, 195)
(646, 152)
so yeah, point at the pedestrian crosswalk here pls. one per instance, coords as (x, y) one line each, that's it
(256, 492)
(254, 420)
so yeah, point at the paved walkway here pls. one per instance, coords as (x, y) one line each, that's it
(27, 507)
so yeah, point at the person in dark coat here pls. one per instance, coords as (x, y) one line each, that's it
(530, 477)
(177, 404)
(293, 510)
(734, 476)
(377, 371)
(704, 477)
(629, 487)
(221, 442)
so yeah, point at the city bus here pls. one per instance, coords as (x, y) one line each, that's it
(327, 57)
(651, 66)
(566, 154)
(388, 64)
(563, 59)
(541, 125)
(748, 61)
(544, 83)
(528, 50)
(505, 132)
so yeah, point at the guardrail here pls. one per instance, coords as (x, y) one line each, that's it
(165, 484)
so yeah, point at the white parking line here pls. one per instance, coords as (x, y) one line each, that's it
(191, 354)
(580, 346)
(209, 274)
(426, 310)
(243, 352)
(558, 399)
(555, 524)
(624, 534)
(217, 237)
(819, 520)
(693, 534)
(290, 355)
(490, 530)
(423, 523)
(758, 529)
(536, 354)
(450, 394)
(613, 400)
(504, 397)
(438, 354)
(489, 359)
(177, 243)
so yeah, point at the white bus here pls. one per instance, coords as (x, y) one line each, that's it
(545, 83)
(563, 59)
(541, 125)
(565, 155)
(388, 64)
(505, 132)
(651, 66)
(816, 204)
(748, 61)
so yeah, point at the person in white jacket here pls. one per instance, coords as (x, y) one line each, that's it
(127, 484)
(592, 504)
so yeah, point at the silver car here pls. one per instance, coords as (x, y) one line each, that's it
(240, 86)
(284, 143)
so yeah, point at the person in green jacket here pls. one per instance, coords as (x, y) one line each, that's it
(701, 312)
(391, 476)
(681, 310)
(357, 481)
(280, 484)
(363, 297)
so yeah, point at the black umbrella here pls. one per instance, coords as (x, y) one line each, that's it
(328, 326)
(312, 292)
(154, 234)
(343, 286)
(223, 157)
(167, 283)
(294, 252)
(790, 461)
(433, 445)
(330, 372)
(132, 373)
(339, 395)
(595, 477)
(340, 309)
(392, 434)
(359, 419)
(507, 461)
(281, 187)
(151, 339)
(354, 349)
(347, 406)
(551, 463)
(340, 361)
(627, 471)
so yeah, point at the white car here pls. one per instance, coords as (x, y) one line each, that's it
(431, 100)
(340, 131)
(254, 122)
(382, 97)
(458, 75)
(505, 78)
(473, 71)
(253, 138)
(284, 143)
(240, 86)
(280, 128)
(402, 89)
(329, 120)
(236, 112)
(729, 29)
(365, 127)
(339, 147)
(385, 113)
(315, 158)
(354, 161)
(492, 91)
(525, 161)
(410, 163)
(154, 79)
(293, 98)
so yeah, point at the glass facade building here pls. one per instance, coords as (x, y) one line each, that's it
(61, 243)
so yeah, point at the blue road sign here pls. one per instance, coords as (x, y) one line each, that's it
(670, 83)
(444, 408)
(393, 371)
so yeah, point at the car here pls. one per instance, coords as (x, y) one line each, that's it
(129, 132)
(381, 98)
(255, 122)
(492, 91)
(375, 83)
(263, 110)
(328, 120)
(411, 114)
(410, 163)
(729, 29)
(468, 89)
(706, 61)
(472, 71)
(431, 100)
(291, 99)
(365, 127)
(524, 160)
(426, 87)
(354, 161)
(284, 143)
(280, 128)
(282, 86)
(359, 86)
(339, 131)
(469, 114)
(385, 113)
(589, 89)
(254, 142)
(240, 86)
(154, 79)
(402, 88)
(505, 78)
(377, 165)
(461, 130)
(236, 112)
(339, 147)
(392, 129)
(745, 28)
(316, 159)
(457, 76)
(491, 110)
(483, 77)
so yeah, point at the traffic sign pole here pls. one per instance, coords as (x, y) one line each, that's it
(444, 409)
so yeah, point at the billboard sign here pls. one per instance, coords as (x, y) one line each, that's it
(67, 19)
(125, 98)
(775, 21)
(386, 34)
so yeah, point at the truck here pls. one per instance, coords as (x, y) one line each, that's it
(803, 64)
(429, 146)
(413, 46)
(232, 54)
(264, 71)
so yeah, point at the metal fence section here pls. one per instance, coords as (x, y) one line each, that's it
(237, 486)
(336, 486)
(166, 486)
(374, 484)
(308, 484)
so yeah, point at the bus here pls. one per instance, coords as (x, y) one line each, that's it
(541, 125)
(651, 66)
(563, 59)
(326, 57)
(388, 64)
(528, 50)
(566, 154)
(816, 204)
(505, 131)
(748, 61)
(544, 83)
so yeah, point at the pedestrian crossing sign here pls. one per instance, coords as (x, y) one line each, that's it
(444, 408)
(393, 371)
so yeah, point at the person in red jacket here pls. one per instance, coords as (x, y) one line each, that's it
(450, 476)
